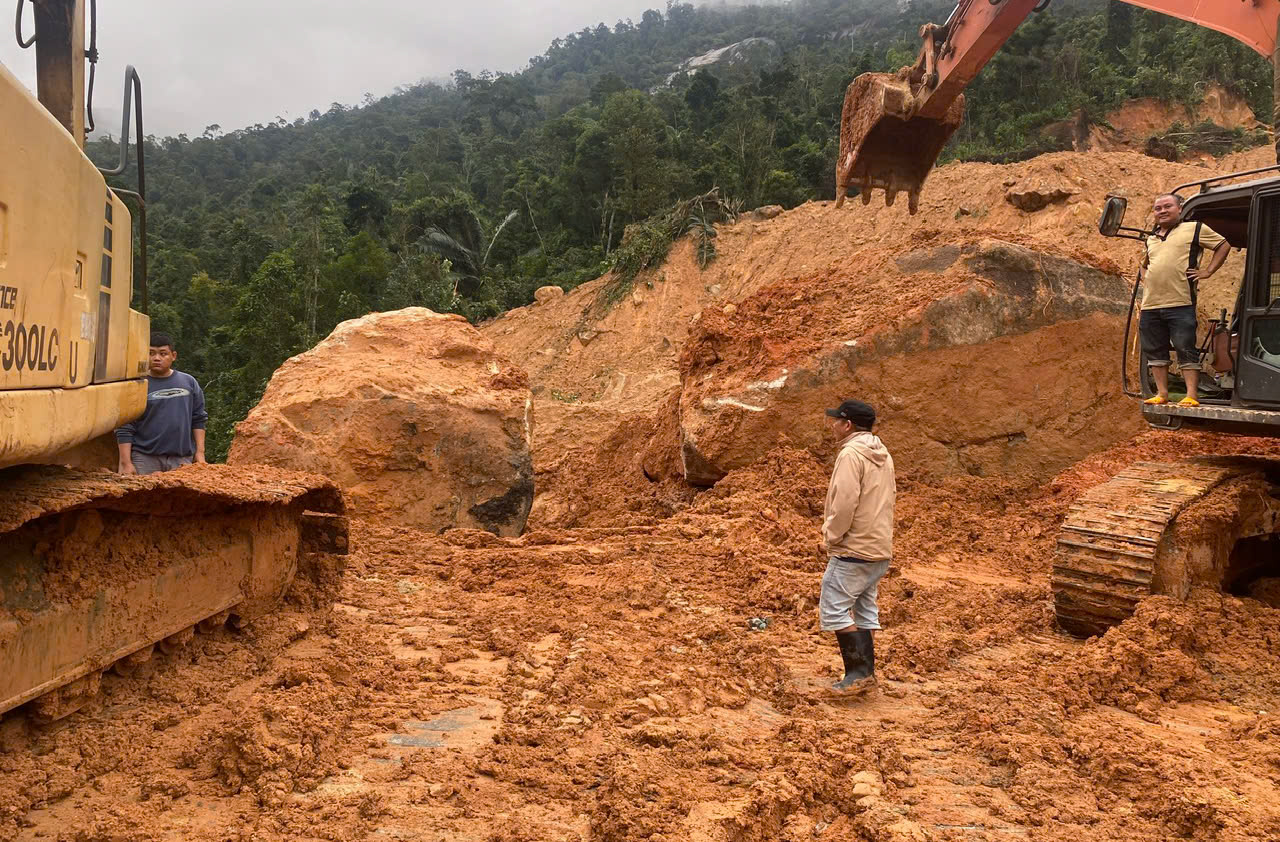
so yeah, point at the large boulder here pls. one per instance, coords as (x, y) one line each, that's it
(1032, 195)
(548, 293)
(412, 413)
(1001, 360)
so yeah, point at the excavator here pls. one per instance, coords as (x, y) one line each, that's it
(893, 126)
(1156, 527)
(99, 570)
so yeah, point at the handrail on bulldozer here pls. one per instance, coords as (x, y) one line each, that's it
(1204, 183)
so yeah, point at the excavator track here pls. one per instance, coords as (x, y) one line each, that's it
(97, 570)
(1122, 540)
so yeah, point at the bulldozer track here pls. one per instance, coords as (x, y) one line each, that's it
(1112, 538)
(98, 569)
(32, 492)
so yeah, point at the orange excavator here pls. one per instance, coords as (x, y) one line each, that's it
(1156, 527)
(894, 125)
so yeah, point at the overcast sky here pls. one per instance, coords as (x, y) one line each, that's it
(237, 63)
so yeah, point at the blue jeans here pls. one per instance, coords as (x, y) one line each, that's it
(1170, 328)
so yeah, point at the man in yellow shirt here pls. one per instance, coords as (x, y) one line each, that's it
(1169, 278)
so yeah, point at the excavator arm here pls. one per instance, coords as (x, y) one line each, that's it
(1251, 22)
(894, 126)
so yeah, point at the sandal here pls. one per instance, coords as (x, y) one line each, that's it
(1156, 400)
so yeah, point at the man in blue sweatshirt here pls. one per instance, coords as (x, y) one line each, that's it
(170, 432)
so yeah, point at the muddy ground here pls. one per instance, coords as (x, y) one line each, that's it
(600, 678)
(606, 684)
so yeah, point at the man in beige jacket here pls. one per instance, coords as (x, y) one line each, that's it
(857, 532)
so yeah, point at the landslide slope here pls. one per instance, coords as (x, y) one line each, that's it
(616, 403)
(614, 682)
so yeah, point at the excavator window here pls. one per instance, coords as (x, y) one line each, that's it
(1265, 333)
(1266, 341)
(1230, 218)
(1269, 291)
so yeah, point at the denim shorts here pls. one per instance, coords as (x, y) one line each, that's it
(149, 463)
(1166, 329)
(849, 592)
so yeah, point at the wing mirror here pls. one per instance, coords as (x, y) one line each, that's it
(1112, 222)
(1113, 216)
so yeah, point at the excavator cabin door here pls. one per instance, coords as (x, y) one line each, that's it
(1258, 366)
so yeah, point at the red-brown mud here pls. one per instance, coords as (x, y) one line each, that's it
(605, 683)
(600, 677)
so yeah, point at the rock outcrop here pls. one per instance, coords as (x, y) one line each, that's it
(747, 56)
(1035, 195)
(548, 293)
(412, 413)
(1011, 365)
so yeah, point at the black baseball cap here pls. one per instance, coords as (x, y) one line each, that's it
(861, 414)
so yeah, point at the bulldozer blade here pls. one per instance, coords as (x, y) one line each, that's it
(885, 144)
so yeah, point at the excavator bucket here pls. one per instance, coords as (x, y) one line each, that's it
(885, 143)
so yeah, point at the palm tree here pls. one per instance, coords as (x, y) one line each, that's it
(467, 248)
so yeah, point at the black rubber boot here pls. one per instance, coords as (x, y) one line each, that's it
(857, 669)
(866, 641)
(857, 648)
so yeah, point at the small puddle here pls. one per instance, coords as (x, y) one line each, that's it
(429, 734)
(469, 727)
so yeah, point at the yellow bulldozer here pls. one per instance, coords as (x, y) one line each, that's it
(1156, 527)
(97, 569)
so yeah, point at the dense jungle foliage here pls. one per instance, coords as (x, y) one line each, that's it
(469, 196)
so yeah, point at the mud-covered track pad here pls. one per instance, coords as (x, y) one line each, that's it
(95, 566)
(28, 493)
(1113, 539)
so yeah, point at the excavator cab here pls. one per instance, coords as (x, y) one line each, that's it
(1247, 214)
(1169, 526)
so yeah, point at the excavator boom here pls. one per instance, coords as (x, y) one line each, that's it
(976, 32)
(1251, 22)
(894, 126)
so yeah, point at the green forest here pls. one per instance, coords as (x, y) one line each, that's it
(467, 197)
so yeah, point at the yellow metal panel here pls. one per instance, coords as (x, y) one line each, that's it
(139, 344)
(54, 224)
(66, 267)
(35, 423)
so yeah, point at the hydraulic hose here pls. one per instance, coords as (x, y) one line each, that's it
(1124, 348)
(92, 55)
